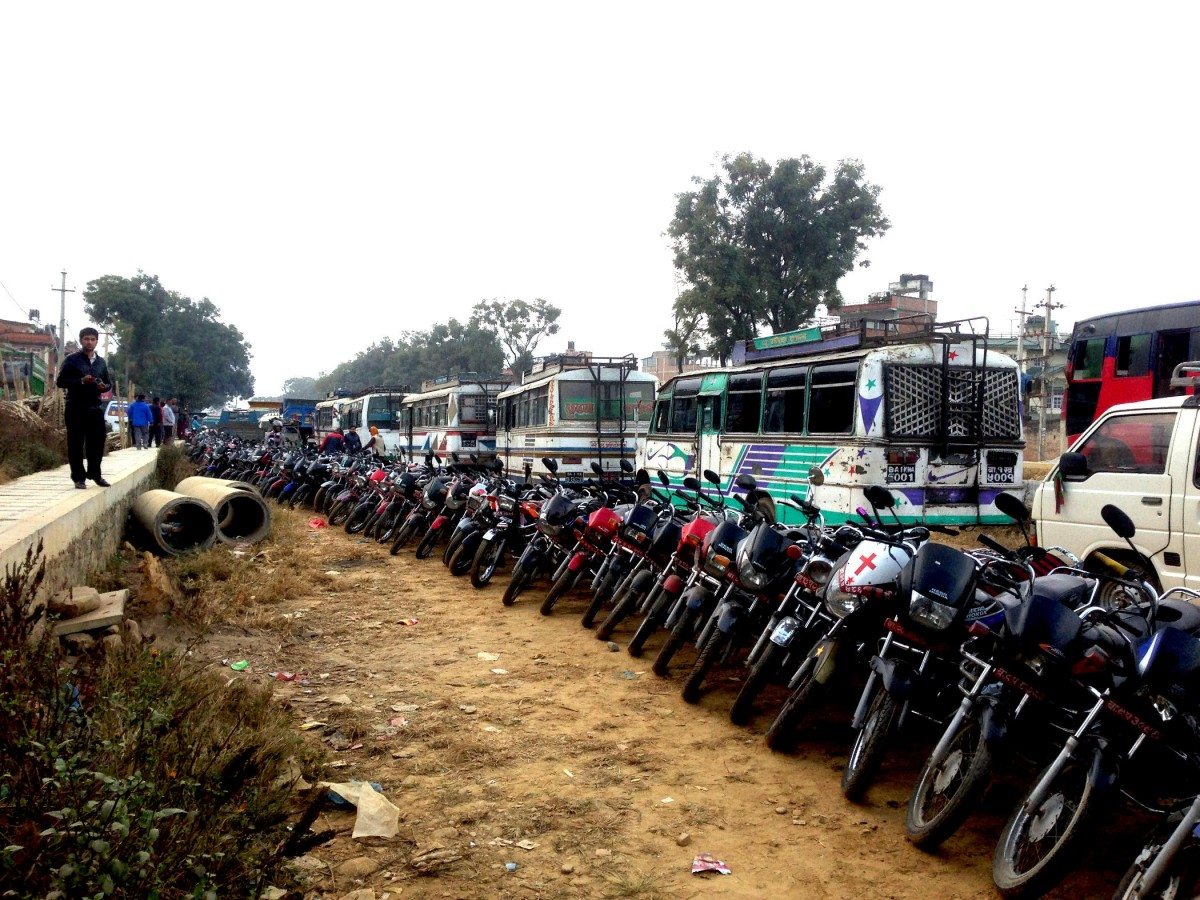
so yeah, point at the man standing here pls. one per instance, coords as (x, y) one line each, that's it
(140, 419)
(84, 376)
(156, 424)
(168, 422)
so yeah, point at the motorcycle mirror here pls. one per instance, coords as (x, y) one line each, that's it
(879, 497)
(1011, 506)
(642, 476)
(711, 477)
(596, 468)
(815, 476)
(454, 455)
(498, 464)
(626, 466)
(1118, 520)
(550, 464)
(664, 478)
(474, 458)
(746, 482)
(691, 483)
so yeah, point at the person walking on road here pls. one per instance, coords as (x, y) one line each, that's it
(140, 420)
(168, 422)
(156, 425)
(84, 376)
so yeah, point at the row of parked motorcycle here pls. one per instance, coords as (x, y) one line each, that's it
(1014, 663)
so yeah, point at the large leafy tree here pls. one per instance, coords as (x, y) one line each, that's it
(170, 344)
(684, 339)
(763, 245)
(301, 386)
(519, 326)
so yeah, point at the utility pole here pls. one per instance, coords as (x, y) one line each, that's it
(1021, 330)
(62, 312)
(1049, 305)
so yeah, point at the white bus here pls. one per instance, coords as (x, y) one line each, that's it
(451, 414)
(927, 411)
(379, 407)
(329, 416)
(576, 410)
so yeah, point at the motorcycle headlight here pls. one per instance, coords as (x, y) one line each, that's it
(428, 503)
(819, 570)
(840, 602)
(750, 576)
(930, 613)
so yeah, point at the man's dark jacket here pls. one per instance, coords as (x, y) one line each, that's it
(70, 377)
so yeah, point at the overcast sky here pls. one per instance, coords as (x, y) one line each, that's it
(329, 174)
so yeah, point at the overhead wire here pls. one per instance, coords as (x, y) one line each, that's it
(13, 299)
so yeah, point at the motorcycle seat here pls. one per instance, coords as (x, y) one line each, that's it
(1071, 591)
(1179, 614)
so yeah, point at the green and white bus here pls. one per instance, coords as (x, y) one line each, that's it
(925, 410)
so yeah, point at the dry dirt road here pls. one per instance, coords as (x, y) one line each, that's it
(490, 726)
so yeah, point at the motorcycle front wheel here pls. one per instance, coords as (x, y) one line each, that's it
(781, 736)
(562, 585)
(339, 513)
(680, 635)
(870, 744)
(760, 676)
(710, 654)
(406, 533)
(516, 584)
(487, 559)
(948, 787)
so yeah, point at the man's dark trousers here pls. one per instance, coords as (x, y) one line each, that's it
(85, 436)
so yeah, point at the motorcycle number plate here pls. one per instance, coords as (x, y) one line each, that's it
(489, 534)
(783, 632)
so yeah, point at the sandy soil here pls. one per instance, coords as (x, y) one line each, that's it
(489, 726)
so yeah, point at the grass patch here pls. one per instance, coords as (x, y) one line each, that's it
(171, 466)
(133, 773)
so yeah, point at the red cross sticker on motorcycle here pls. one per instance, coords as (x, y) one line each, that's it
(865, 562)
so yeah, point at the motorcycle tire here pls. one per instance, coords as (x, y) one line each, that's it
(339, 514)
(487, 560)
(427, 543)
(371, 532)
(562, 585)
(651, 623)
(1182, 878)
(603, 592)
(319, 500)
(623, 607)
(680, 635)
(452, 545)
(516, 584)
(761, 673)
(971, 758)
(460, 562)
(1073, 793)
(387, 527)
(404, 535)
(298, 496)
(781, 736)
(870, 745)
(358, 519)
(710, 654)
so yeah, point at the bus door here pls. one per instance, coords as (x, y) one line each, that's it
(708, 424)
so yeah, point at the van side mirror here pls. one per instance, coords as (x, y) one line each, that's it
(1073, 466)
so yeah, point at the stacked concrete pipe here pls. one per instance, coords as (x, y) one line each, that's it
(240, 511)
(175, 523)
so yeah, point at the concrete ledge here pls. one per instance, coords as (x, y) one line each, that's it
(79, 530)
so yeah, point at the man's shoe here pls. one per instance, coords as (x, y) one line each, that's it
(102, 483)
(81, 485)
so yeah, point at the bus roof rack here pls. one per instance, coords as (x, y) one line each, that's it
(1186, 375)
(562, 361)
(850, 335)
(430, 384)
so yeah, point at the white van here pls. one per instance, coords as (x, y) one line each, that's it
(115, 414)
(1144, 458)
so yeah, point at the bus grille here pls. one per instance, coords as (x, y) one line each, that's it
(914, 403)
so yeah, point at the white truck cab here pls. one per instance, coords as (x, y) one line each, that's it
(1144, 458)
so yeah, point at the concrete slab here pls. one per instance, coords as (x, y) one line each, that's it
(110, 612)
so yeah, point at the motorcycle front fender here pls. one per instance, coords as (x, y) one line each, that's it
(992, 724)
(729, 613)
(895, 675)
(698, 597)
(825, 653)
(344, 496)
(438, 523)
(577, 561)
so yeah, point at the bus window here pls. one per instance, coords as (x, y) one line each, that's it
(831, 403)
(683, 415)
(710, 413)
(1088, 357)
(662, 417)
(469, 408)
(1133, 355)
(745, 403)
(785, 400)
(537, 405)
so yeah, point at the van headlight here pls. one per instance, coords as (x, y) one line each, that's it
(840, 602)
(930, 613)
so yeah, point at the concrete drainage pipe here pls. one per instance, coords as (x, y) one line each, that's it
(175, 523)
(184, 487)
(241, 515)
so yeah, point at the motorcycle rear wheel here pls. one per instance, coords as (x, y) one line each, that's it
(965, 768)
(870, 745)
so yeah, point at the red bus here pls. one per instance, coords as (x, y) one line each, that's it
(1127, 356)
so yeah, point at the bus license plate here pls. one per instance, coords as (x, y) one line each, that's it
(902, 473)
(1002, 474)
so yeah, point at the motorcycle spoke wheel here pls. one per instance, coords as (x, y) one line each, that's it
(712, 652)
(516, 584)
(562, 585)
(948, 788)
(487, 560)
(680, 635)
(761, 673)
(625, 606)
(428, 542)
(870, 745)
(781, 736)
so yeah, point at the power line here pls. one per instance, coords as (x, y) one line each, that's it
(13, 299)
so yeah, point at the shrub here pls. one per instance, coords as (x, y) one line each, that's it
(132, 773)
(172, 466)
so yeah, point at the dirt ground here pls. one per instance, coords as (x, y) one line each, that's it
(490, 726)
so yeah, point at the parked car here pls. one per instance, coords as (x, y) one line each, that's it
(115, 414)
